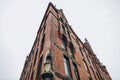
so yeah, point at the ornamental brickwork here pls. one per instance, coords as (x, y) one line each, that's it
(58, 53)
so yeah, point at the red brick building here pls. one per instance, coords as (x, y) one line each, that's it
(58, 53)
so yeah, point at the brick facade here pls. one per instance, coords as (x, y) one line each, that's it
(58, 53)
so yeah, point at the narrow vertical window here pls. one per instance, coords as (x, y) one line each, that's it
(67, 67)
(61, 19)
(63, 28)
(42, 43)
(68, 34)
(65, 24)
(64, 43)
(76, 71)
(39, 69)
(85, 65)
(81, 51)
(72, 50)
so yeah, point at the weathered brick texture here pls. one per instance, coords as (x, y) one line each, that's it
(56, 42)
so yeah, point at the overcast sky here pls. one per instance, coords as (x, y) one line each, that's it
(97, 20)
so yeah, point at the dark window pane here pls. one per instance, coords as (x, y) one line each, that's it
(81, 51)
(64, 43)
(72, 50)
(67, 67)
(61, 19)
(68, 34)
(76, 71)
(63, 28)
